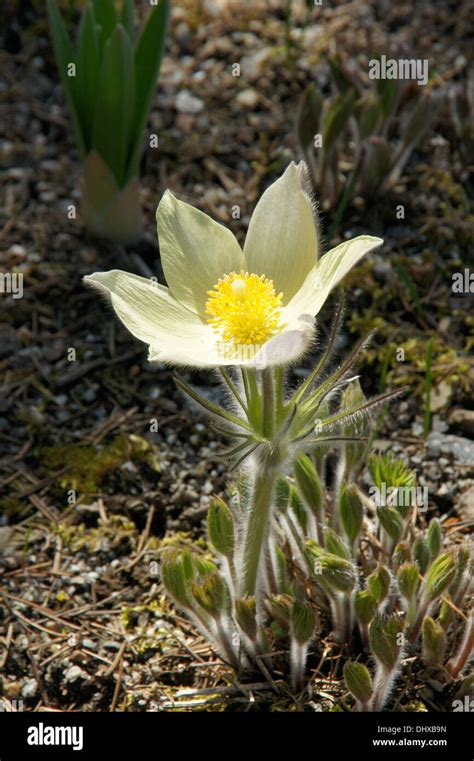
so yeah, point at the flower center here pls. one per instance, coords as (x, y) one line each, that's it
(245, 308)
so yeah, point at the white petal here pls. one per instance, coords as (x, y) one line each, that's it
(327, 273)
(286, 347)
(282, 241)
(195, 251)
(151, 314)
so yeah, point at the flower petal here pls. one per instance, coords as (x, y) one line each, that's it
(286, 347)
(195, 251)
(151, 314)
(282, 241)
(327, 273)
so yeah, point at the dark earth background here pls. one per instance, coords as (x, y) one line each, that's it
(84, 621)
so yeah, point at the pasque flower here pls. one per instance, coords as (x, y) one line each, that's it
(228, 306)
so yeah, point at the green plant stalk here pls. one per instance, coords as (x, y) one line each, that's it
(257, 526)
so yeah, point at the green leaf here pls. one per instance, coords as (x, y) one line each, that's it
(127, 17)
(87, 69)
(64, 56)
(309, 117)
(340, 76)
(337, 117)
(387, 91)
(106, 19)
(148, 54)
(113, 121)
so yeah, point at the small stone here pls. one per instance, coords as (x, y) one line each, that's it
(75, 673)
(17, 250)
(247, 98)
(438, 424)
(186, 103)
(29, 689)
(440, 396)
(459, 448)
(466, 504)
(208, 488)
(464, 420)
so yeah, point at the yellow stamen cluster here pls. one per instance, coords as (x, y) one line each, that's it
(245, 308)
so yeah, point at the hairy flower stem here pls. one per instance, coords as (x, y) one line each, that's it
(457, 663)
(422, 612)
(298, 655)
(257, 526)
(383, 681)
(226, 643)
(342, 615)
(268, 396)
(266, 472)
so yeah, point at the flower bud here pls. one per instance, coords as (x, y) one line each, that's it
(177, 571)
(439, 576)
(379, 583)
(210, 593)
(408, 578)
(401, 554)
(421, 553)
(385, 640)
(433, 640)
(462, 564)
(446, 612)
(245, 613)
(303, 621)
(309, 483)
(434, 538)
(391, 522)
(351, 512)
(358, 681)
(281, 607)
(333, 573)
(220, 527)
(365, 606)
(335, 545)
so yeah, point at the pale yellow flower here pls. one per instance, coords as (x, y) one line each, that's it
(225, 306)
